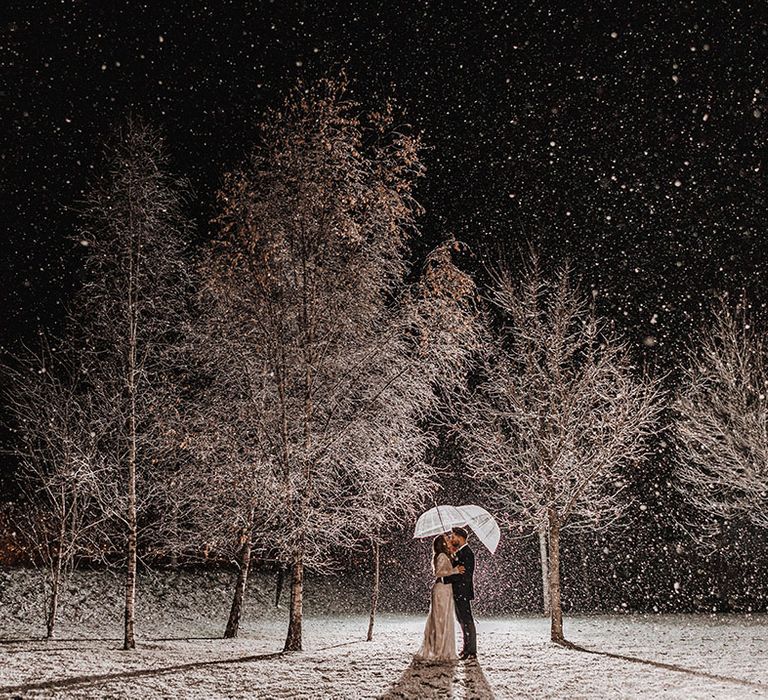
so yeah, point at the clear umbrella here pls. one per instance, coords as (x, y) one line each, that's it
(442, 518)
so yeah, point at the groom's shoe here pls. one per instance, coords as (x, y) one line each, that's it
(468, 657)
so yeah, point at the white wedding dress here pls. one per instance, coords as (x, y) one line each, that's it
(439, 633)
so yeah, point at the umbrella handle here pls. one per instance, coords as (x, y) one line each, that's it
(440, 517)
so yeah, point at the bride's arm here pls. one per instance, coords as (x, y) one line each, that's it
(444, 567)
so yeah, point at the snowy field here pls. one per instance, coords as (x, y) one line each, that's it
(180, 653)
(666, 656)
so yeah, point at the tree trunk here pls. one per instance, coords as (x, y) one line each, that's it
(293, 640)
(236, 611)
(586, 572)
(554, 577)
(174, 558)
(543, 556)
(279, 584)
(53, 601)
(375, 590)
(723, 568)
(129, 641)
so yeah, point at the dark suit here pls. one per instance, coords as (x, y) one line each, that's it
(463, 594)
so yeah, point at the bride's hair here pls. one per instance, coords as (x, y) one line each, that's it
(439, 546)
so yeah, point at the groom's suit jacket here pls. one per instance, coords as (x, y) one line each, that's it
(463, 583)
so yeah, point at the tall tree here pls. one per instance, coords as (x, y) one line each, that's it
(129, 315)
(559, 415)
(309, 284)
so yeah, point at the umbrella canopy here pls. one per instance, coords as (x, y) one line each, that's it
(438, 520)
(442, 518)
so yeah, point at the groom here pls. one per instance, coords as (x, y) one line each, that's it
(463, 591)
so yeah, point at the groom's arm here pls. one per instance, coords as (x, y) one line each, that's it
(469, 564)
(455, 578)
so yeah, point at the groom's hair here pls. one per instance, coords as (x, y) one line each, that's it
(460, 531)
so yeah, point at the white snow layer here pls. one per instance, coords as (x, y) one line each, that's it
(179, 655)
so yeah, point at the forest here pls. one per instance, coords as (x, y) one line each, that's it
(289, 393)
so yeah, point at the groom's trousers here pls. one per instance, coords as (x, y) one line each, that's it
(464, 616)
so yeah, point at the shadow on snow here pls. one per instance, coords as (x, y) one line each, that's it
(665, 666)
(79, 682)
(436, 680)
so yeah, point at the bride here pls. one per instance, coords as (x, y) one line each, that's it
(439, 634)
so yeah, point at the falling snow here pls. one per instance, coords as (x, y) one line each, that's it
(628, 141)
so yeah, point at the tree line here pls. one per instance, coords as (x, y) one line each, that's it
(278, 389)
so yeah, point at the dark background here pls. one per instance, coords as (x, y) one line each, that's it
(628, 137)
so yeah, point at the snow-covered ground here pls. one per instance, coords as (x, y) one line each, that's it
(180, 656)
(670, 656)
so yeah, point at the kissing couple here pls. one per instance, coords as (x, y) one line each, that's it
(453, 566)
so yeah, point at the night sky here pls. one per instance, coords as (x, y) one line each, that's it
(628, 137)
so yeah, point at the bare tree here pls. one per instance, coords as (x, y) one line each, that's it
(326, 376)
(722, 420)
(392, 478)
(559, 415)
(56, 444)
(128, 316)
(232, 497)
(442, 329)
(721, 430)
(376, 442)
